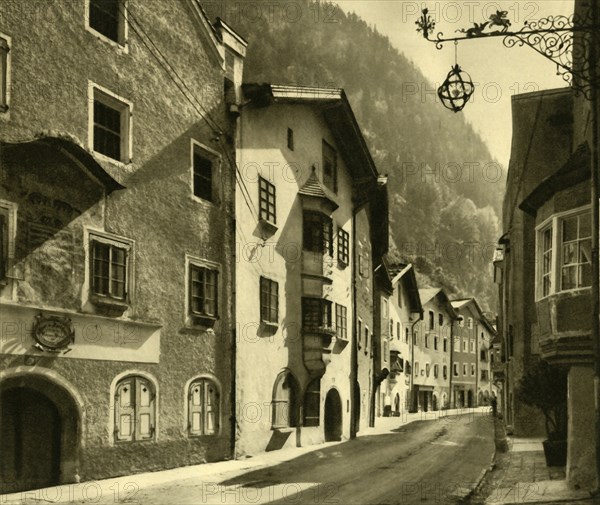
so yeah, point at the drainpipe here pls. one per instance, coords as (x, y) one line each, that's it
(451, 402)
(353, 350)
(595, 172)
(413, 400)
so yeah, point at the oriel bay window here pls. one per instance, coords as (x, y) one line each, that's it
(203, 408)
(564, 245)
(269, 300)
(317, 233)
(316, 314)
(135, 409)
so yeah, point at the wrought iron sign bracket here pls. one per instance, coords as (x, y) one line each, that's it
(553, 37)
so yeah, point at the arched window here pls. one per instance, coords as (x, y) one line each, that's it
(312, 403)
(135, 409)
(285, 401)
(203, 408)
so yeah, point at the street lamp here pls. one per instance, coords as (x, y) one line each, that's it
(576, 60)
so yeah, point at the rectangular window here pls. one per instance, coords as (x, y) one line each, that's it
(267, 210)
(398, 331)
(329, 167)
(203, 175)
(107, 18)
(111, 126)
(406, 335)
(546, 266)
(445, 345)
(391, 325)
(426, 341)
(472, 346)
(445, 372)
(576, 240)
(359, 334)
(456, 344)
(109, 269)
(367, 343)
(290, 139)
(436, 371)
(4, 73)
(317, 232)
(316, 313)
(455, 369)
(464, 370)
(203, 291)
(343, 247)
(431, 321)
(269, 300)
(472, 370)
(464, 345)
(440, 319)
(435, 343)
(6, 239)
(341, 321)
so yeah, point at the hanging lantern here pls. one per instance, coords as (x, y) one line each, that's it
(456, 90)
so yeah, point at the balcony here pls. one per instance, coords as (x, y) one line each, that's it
(564, 324)
(396, 366)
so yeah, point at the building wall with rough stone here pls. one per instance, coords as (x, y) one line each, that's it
(49, 171)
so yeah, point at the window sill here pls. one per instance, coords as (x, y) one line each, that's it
(266, 228)
(107, 159)
(110, 306)
(202, 322)
(121, 47)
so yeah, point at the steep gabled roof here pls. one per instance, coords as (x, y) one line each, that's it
(407, 272)
(428, 294)
(337, 112)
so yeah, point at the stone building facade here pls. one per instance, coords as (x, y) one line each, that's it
(304, 275)
(116, 205)
(432, 357)
(401, 311)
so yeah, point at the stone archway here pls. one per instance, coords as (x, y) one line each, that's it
(333, 416)
(40, 431)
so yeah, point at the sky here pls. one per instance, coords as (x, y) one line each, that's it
(498, 72)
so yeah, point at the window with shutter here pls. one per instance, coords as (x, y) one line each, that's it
(203, 408)
(135, 409)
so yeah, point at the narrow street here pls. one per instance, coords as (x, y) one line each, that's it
(423, 462)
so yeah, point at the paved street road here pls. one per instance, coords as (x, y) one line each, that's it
(425, 462)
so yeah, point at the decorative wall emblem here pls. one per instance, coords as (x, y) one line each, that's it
(53, 333)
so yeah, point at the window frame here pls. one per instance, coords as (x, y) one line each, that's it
(343, 246)
(134, 411)
(102, 237)
(341, 321)
(292, 402)
(123, 28)
(9, 210)
(196, 319)
(312, 420)
(554, 223)
(126, 110)
(215, 158)
(290, 139)
(334, 176)
(266, 214)
(269, 283)
(325, 232)
(203, 380)
(5, 72)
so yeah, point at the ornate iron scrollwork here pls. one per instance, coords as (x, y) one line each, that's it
(564, 40)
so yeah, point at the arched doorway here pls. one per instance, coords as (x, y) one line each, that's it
(39, 434)
(470, 398)
(333, 416)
